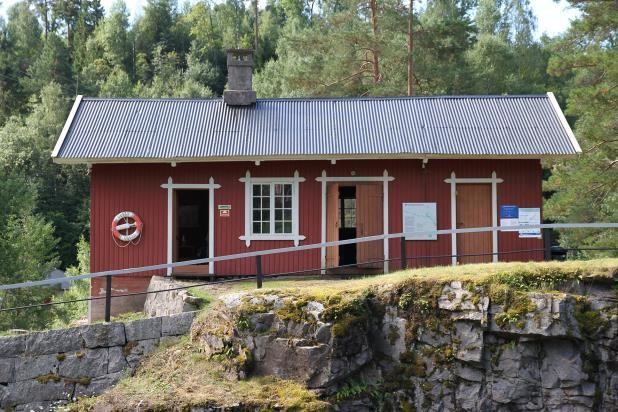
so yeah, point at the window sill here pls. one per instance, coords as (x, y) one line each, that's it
(294, 238)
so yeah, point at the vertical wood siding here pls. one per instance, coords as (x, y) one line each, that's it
(137, 187)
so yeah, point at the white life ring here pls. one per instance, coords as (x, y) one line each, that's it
(131, 220)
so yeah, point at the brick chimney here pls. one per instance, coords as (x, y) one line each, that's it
(239, 78)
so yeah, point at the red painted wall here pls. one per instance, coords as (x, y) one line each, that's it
(137, 187)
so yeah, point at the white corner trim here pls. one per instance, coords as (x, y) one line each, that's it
(170, 219)
(385, 218)
(563, 121)
(494, 180)
(249, 181)
(323, 226)
(210, 186)
(494, 216)
(453, 182)
(211, 223)
(67, 126)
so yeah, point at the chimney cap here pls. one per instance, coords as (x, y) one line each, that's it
(240, 51)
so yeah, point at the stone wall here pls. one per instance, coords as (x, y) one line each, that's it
(169, 303)
(43, 369)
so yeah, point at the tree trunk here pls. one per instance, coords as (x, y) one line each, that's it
(257, 43)
(374, 27)
(411, 50)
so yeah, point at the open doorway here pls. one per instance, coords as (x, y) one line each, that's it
(191, 230)
(347, 224)
(354, 210)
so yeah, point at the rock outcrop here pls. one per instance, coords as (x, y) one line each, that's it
(439, 346)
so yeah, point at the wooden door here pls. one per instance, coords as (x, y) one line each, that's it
(369, 222)
(332, 224)
(474, 210)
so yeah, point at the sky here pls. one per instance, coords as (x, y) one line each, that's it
(552, 17)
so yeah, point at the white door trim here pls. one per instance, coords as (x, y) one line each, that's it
(385, 178)
(210, 186)
(493, 180)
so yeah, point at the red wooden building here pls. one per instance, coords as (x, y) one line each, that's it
(223, 176)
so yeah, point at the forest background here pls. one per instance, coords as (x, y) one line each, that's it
(53, 50)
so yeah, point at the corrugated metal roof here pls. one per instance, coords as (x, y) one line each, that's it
(102, 130)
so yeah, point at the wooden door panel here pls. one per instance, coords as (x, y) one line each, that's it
(332, 224)
(474, 210)
(369, 222)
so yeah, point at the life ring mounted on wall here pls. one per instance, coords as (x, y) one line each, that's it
(127, 227)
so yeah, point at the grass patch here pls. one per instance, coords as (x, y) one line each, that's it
(525, 276)
(206, 297)
(179, 376)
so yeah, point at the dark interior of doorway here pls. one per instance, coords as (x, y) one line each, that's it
(347, 224)
(191, 225)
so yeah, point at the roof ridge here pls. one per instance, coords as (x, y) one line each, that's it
(334, 98)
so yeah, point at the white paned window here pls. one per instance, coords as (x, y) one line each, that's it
(271, 208)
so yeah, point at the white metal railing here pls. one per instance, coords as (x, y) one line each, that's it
(128, 271)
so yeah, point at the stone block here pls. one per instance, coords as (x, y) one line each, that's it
(24, 392)
(139, 350)
(470, 335)
(84, 364)
(177, 324)
(98, 385)
(54, 341)
(30, 367)
(12, 346)
(562, 365)
(116, 359)
(143, 329)
(467, 396)
(261, 322)
(7, 370)
(103, 335)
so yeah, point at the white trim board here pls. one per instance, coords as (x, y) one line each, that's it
(210, 186)
(563, 122)
(295, 236)
(454, 181)
(326, 158)
(324, 179)
(67, 126)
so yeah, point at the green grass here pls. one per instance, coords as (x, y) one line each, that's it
(519, 275)
(179, 376)
(207, 297)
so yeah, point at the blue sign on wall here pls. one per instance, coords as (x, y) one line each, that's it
(509, 212)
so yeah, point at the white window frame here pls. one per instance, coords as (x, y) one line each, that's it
(249, 236)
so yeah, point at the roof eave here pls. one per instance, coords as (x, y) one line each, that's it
(411, 156)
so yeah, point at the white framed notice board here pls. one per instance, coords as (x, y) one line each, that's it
(419, 217)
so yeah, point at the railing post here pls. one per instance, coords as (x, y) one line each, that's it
(258, 266)
(108, 298)
(404, 256)
(547, 241)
